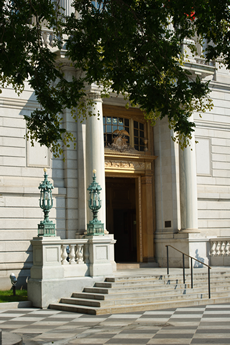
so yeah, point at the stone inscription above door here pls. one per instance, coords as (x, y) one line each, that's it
(127, 165)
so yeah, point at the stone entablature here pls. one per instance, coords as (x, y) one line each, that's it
(120, 162)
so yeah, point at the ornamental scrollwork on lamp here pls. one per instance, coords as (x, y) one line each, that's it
(95, 226)
(46, 226)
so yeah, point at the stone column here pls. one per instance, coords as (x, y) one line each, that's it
(95, 153)
(81, 171)
(66, 4)
(188, 188)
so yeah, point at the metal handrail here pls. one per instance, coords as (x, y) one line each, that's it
(192, 258)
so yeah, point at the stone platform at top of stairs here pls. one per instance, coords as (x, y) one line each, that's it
(138, 291)
(156, 271)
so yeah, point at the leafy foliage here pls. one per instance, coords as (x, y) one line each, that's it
(130, 47)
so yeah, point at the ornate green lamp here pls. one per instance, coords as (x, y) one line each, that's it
(95, 226)
(46, 226)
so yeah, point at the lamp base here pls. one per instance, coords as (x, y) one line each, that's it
(95, 228)
(46, 228)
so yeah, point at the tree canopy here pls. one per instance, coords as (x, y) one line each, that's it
(128, 47)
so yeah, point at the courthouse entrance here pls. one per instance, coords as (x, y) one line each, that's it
(121, 217)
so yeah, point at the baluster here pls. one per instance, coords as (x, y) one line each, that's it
(64, 254)
(86, 253)
(51, 39)
(222, 248)
(72, 254)
(80, 254)
(218, 248)
(44, 37)
(213, 249)
(227, 248)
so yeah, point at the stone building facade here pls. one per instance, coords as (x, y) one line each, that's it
(153, 193)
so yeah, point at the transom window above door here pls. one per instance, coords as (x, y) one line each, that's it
(112, 127)
(127, 132)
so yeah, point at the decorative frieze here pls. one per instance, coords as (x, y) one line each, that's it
(127, 165)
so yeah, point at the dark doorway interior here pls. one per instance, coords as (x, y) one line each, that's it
(121, 217)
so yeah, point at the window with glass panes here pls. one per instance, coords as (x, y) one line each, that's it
(138, 136)
(110, 125)
(135, 129)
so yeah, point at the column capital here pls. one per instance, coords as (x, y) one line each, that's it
(95, 96)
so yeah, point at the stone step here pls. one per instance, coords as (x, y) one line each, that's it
(154, 292)
(187, 294)
(127, 294)
(140, 307)
(118, 289)
(143, 282)
(126, 266)
(86, 295)
(204, 275)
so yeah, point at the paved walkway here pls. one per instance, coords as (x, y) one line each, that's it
(194, 325)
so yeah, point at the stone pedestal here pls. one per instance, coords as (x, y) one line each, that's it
(101, 255)
(193, 244)
(52, 279)
(46, 258)
(45, 271)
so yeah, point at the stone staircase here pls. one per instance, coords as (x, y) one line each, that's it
(151, 292)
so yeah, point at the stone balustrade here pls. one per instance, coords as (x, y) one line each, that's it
(74, 257)
(48, 37)
(219, 251)
(219, 247)
(202, 61)
(74, 252)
